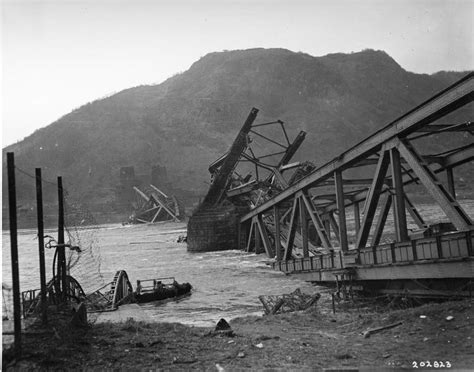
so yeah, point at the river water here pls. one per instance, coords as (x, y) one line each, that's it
(225, 284)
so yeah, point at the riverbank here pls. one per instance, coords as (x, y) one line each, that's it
(313, 339)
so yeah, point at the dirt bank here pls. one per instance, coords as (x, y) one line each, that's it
(294, 341)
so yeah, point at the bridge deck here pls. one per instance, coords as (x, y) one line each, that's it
(445, 256)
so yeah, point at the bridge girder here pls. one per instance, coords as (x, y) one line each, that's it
(398, 165)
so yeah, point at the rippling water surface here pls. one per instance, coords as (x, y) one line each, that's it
(225, 284)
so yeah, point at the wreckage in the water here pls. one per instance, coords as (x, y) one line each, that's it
(158, 289)
(243, 178)
(154, 205)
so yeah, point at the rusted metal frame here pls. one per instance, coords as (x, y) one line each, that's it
(372, 199)
(400, 218)
(268, 139)
(384, 209)
(323, 234)
(449, 205)
(292, 231)
(276, 217)
(264, 237)
(436, 107)
(414, 213)
(339, 187)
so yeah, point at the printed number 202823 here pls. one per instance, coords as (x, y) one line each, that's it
(431, 364)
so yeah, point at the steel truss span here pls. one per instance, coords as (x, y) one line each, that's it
(357, 216)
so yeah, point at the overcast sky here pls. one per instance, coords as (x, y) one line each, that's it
(58, 55)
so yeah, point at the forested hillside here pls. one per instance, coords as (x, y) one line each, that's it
(189, 120)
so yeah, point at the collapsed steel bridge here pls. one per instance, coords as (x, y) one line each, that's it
(334, 225)
(440, 251)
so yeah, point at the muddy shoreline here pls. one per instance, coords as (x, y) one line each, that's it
(440, 334)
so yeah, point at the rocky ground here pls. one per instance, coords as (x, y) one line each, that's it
(440, 334)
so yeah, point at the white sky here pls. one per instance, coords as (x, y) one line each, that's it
(58, 55)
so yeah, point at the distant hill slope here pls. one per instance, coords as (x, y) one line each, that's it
(190, 119)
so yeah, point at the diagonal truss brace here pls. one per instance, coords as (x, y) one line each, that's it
(373, 197)
(316, 219)
(292, 230)
(445, 200)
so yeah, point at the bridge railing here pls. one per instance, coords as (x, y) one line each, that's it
(453, 245)
(447, 246)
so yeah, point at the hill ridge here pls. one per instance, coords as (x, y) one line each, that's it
(187, 121)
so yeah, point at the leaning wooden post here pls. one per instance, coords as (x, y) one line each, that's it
(61, 248)
(14, 251)
(39, 212)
